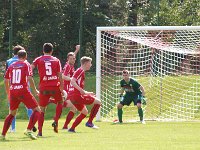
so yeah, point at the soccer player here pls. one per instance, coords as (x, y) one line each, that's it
(80, 98)
(18, 91)
(68, 71)
(134, 92)
(8, 63)
(51, 82)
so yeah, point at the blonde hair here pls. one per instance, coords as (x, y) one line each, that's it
(85, 59)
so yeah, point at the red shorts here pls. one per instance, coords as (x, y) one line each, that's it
(27, 98)
(79, 101)
(47, 92)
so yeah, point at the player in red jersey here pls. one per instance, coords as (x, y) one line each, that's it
(17, 88)
(51, 82)
(80, 98)
(68, 72)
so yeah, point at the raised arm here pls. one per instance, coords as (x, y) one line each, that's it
(77, 49)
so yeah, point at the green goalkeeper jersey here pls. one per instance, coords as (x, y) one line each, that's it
(131, 88)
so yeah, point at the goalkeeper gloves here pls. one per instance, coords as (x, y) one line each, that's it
(143, 100)
(120, 97)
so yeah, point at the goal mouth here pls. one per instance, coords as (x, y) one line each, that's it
(165, 60)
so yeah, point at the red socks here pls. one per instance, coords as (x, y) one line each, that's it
(78, 120)
(33, 119)
(69, 117)
(7, 124)
(93, 112)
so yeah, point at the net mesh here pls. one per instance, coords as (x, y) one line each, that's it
(166, 63)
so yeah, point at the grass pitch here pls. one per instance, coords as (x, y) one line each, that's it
(126, 136)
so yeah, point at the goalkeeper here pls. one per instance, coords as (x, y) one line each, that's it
(134, 92)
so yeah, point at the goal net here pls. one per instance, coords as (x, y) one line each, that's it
(165, 60)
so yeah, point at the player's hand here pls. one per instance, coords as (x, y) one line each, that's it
(144, 100)
(77, 47)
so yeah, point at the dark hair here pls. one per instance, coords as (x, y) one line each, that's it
(47, 47)
(17, 48)
(21, 54)
(125, 72)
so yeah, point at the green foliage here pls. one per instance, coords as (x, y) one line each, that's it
(126, 136)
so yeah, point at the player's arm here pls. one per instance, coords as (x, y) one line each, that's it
(61, 81)
(7, 86)
(83, 92)
(32, 66)
(73, 82)
(142, 90)
(121, 91)
(32, 85)
(67, 78)
(77, 49)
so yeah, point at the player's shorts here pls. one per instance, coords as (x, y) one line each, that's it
(26, 97)
(127, 99)
(47, 92)
(79, 101)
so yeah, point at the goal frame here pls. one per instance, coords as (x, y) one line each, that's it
(130, 28)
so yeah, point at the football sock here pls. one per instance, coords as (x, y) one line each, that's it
(140, 112)
(13, 125)
(7, 123)
(93, 112)
(69, 117)
(40, 122)
(58, 112)
(29, 113)
(120, 112)
(78, 120)
(34, 118)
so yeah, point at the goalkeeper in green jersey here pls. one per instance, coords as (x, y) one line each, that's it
(134, 92)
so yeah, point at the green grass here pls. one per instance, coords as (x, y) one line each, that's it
(127, 136)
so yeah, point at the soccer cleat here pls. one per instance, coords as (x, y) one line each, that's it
(117, 121)
(143, 122)
(39, 135)
(12, 131)
(55, 127)
(65, 128)
(91, 125)
(30, 135)
(71, 130)
(2, 138)
(34, 129)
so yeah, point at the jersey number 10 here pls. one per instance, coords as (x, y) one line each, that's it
(16, 76)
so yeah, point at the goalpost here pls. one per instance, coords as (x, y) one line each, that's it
(164, 59)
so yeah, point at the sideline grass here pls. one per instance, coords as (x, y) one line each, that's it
(127, 136)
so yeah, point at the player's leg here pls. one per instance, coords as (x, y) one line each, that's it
(43, 102)
(70, 115)
(93, 112)
(7, 122)
(13, 124)
(59, 99)
(29, 113)
(119, 112)
(41, 120)
(83, 113)
(140, 110)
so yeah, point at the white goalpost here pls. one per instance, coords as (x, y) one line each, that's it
(164, 59)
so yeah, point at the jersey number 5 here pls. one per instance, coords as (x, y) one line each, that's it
(48, 68)
(16, 76)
